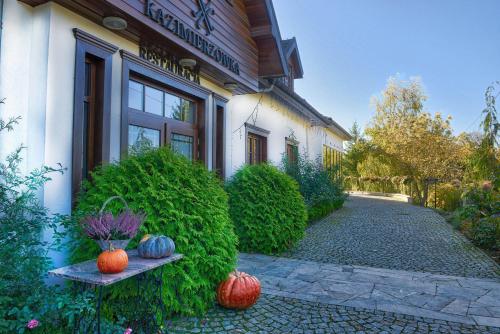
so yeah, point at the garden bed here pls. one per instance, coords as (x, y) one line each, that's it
(450, 218)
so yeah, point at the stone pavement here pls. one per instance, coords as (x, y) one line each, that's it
(387, 234)
(281, 315)
(456, 299)
(434, 280)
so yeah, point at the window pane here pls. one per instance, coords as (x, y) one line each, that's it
(140, 138)
(135, 95)
(251, 150)
(258, 150)
(179, 109)
(182, 145)
(255, 149)
(292, 153)
(172, 106)
(153, 101)
(187, 111)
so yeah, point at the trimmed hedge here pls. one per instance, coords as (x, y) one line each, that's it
(181, 200)
(266, 208)
(323, 209)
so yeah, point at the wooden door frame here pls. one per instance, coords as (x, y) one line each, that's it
(219, 102)
(89, 45)
(263, 133)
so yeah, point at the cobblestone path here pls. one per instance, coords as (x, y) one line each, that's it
(388, 234)
(280, 315)
(412, 295)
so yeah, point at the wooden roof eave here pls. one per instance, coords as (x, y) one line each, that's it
(265, 31)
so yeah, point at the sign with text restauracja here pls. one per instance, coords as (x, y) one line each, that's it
(190, 36)
(170, 63)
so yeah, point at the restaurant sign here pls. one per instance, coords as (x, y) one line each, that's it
(170, 63)
(190, 36)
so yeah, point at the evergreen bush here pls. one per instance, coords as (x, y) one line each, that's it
(322, 189)
(181, 200)
(266, 208)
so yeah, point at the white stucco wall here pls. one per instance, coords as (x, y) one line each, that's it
(15, 73)
(276, 118)
(323, 136)
(269, 115)
(37, 80)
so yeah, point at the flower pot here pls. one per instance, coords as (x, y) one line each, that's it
(105, 244)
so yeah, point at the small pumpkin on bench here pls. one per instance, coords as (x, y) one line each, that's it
(155, 246)
(239, 291)
(112, 261)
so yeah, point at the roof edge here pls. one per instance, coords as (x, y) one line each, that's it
(276, 34)
(294, 47)
(328, 122)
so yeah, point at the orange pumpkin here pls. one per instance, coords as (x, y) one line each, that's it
(239, 291)
(112, 261)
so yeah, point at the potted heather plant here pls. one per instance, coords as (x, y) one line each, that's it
(111, 231)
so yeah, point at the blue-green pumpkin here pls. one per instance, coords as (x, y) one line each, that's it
(155, 246)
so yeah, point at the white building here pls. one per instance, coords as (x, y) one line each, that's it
(89, 78)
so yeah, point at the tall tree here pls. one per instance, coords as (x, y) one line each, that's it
(485, 159)
(490, 122)
(356, 151)
(416, 143)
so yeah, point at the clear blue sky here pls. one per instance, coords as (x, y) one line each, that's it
(350, 47)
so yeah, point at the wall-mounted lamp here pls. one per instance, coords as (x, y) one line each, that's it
(230, 85)
(114, 23)
(187, 62)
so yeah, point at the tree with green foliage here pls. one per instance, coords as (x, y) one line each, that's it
(357, 149)
(485, 159)
(414, 142)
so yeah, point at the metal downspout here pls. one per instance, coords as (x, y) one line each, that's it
(265, 90)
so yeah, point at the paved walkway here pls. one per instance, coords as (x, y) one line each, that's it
(283, 315)
(457, 299)
(387, 234)
(375, 266)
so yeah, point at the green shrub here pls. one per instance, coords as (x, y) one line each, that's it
(479, 218)
(23, 252)
(323, 209)
(181, 200)
(486, 200)
(24, 258)
(266, 208)
(468, 212)
(485, 233)
(322, 190)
